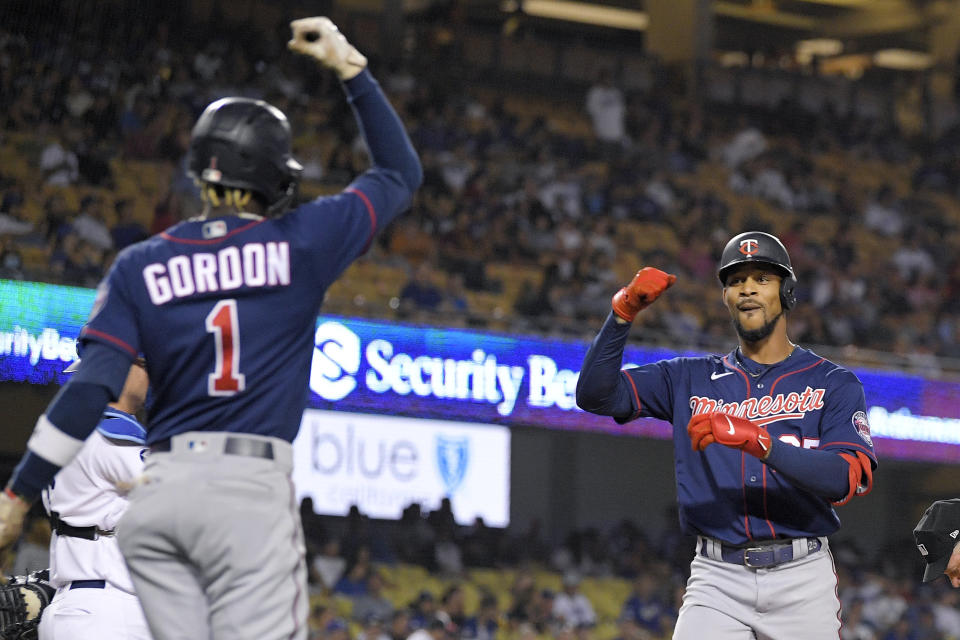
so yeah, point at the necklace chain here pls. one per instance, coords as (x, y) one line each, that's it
(766, 368)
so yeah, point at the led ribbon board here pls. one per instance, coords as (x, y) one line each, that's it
(452, 374)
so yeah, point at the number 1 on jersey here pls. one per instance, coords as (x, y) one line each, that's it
(222, 322)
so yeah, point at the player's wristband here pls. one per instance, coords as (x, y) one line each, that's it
(13, 496)
(31, 476)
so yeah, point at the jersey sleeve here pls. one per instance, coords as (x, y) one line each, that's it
(844, 424)
(651, 391)
(112, 320)
(335, 230)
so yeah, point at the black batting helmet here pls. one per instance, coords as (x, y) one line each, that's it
(242, 143)
(757, 246)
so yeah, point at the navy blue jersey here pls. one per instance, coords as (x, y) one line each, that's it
(221, 307)
(224, 308)
(804, 401)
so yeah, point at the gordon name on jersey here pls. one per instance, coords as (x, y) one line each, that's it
(254, 264)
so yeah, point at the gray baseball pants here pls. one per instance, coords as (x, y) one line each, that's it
(214, 543)
(796, 600)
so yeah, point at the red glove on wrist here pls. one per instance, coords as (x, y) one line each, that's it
(739, 433)
(645, 287)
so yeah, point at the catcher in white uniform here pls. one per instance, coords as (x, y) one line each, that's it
(95, 598)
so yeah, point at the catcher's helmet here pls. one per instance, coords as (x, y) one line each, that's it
(242, 143)
(757, 246)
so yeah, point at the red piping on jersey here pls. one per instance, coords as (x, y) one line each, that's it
(296, 582)
(746, 382)
(836, 592)
(167, 236)
(774, 385)
(746, 518)
(370, 210)
(109, 338)
(743, 482)
(856, 445)
(636, 396)
(853, 444)
(766, 516)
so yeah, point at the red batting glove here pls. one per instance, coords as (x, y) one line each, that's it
(739, 433)
(645, 287)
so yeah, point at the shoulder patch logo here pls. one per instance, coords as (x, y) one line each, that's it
(923, 550)
(863, 428)
(955, 533)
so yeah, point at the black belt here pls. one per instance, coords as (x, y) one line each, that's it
(233, 445)
(88, 584)
(86, 533)
(761, 556)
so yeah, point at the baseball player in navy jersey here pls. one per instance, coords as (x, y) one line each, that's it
(767, 438)
(224, 309)
(95, 598)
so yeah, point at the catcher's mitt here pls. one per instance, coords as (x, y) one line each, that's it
(22, 601)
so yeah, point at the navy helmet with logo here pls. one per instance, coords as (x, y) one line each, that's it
(242, 143)
(757, 246)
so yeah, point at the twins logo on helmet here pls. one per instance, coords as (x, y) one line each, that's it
(757, 246)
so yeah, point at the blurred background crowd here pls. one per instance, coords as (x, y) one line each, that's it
(427, 575)
(540, 200)
(538, 204)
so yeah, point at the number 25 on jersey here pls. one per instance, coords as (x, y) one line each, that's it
(222, 322)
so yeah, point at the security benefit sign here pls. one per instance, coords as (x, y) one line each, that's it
(382, 464)
(384, 367)
(361, 365)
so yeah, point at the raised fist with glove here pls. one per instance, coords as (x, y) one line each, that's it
(738, 433)
(320, 39)
(645, 287)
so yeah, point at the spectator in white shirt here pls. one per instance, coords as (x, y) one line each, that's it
(746, 144)
(58, 163)
(328, 565)
(913, 259)
(90, 226)
(883, 213)
(608, 110)
(11, 221)
(571, 606)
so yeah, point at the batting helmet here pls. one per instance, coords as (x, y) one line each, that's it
(757, 246)
(242, 143)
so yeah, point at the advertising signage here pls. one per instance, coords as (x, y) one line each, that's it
(368, 366)
(384, 463)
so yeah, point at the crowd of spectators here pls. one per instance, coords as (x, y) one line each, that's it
(428, 577)
(543, 205)
(624, 583)
(546, 216)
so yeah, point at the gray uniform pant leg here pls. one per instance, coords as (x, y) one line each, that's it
(228, 526)
(793, 601)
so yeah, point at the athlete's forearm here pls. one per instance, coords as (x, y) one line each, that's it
(71, 417)
(58, 437)
(822, 472)
(601, 388)
(384, 133)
